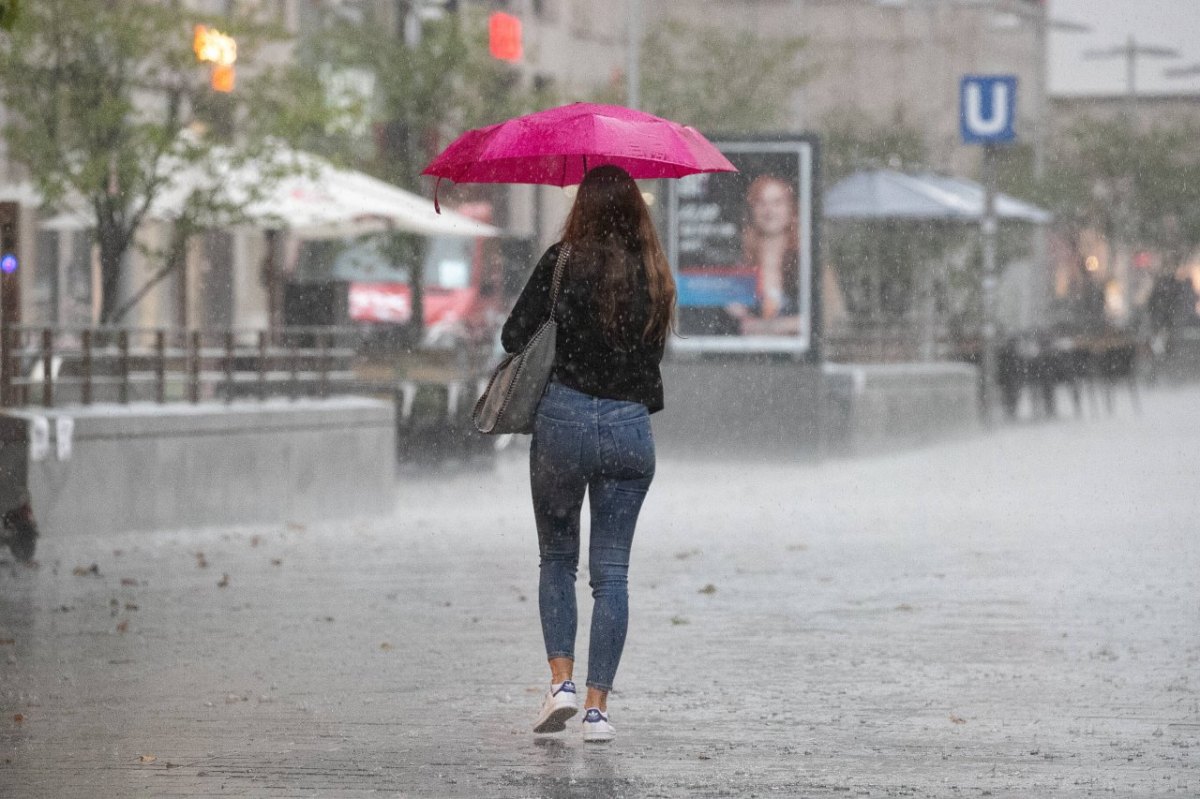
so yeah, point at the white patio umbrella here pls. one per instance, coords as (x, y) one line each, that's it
(889, 194)
(21, 192)
(311, 198)
(301, 193)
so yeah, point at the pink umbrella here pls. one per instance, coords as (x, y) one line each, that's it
(559, 145)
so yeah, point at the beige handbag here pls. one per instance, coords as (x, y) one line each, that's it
(510, 401)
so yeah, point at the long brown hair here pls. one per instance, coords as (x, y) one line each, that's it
(751, 237)
(612, 238)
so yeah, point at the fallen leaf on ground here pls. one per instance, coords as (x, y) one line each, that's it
(678, 620)
(130, 606)
(86, 571)
(18, 717)
(708, 589)
(146, 758)
(201, 561)
(687, 554)
(7, 641)
(276, 562)
(123, 626)
(128, 581)
(295, 526)
(905, 607)
(386, 647)
(255, 540)
(223, 582)
(957, 719)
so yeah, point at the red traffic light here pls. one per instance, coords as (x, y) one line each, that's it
(504, 37)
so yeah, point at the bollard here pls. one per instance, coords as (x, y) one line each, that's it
(47, 368)
(160, 366)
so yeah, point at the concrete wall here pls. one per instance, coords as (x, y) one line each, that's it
(875, 59)
(873, 407)
(774, 408)
(149, 467)
(739, 408)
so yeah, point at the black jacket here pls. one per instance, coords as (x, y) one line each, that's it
(584, 359)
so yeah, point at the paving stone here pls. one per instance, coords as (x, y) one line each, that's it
(1013, 615)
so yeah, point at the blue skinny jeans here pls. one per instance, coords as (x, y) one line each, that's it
(604, 447)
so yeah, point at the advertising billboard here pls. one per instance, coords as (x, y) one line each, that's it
(742, 245)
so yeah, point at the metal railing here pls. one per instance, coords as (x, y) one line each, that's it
(52, 367)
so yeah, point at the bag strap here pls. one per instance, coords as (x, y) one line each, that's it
(560, 267)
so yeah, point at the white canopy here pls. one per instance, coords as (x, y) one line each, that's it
(303, 194)
(19, 192)
(888, 194)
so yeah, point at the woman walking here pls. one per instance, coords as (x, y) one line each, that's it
(592, 433)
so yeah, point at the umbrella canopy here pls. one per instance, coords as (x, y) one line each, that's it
(888, 194)
(557, 146)
(20, 192)
(299, 192)
(314, 199)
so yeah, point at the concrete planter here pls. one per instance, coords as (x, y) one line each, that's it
(152, 467)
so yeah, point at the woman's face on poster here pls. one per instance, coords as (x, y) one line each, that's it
(771, 209)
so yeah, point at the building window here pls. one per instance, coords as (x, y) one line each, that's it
(596, 22)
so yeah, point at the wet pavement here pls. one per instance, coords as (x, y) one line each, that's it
(1014, 615)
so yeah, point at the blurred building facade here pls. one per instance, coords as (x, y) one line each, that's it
(888, 61)
(1125, 275)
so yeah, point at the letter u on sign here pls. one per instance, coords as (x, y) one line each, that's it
(988, 109)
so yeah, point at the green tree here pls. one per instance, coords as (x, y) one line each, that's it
(424, 95)
(428, 92)
(718, 80)
(1140, 186)
(8, 13)
(851, 141)
(106, 104)
(884, 267)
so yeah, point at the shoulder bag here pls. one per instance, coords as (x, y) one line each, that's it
(510, 401)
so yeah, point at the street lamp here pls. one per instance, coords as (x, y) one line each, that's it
(1010, 15)
(633, 53)
(1190, 71)
(1131, 51)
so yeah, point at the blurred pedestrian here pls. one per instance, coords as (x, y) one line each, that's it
(592, 432)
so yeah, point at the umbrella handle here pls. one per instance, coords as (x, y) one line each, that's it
(437, 209)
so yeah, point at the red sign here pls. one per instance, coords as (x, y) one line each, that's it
(391, 303)
(380, 302)
(504, 37)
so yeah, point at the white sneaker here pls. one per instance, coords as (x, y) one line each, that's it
(560, 704)
(596, 728)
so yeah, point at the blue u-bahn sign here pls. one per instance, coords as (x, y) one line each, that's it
(988, 109)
